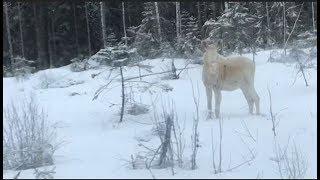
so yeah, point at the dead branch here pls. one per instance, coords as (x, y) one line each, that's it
(97, 93)
(153, 74)
(302, 71)
(167, 139)
(293, 26)
(174, 70)
(178, 138)
(17, 175)
(150, 171)
(94, 75)
(220, 143)
(184, 68)
(248, 133)
(241, 164)
(272, 115)
(213, 150)
(195, 134)
(123, 96)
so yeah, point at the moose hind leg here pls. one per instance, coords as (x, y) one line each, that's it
(256, 101)
(249, 99)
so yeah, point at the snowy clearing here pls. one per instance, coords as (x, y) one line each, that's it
(97, 146)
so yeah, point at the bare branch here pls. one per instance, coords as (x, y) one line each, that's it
(241, 164)
(97, 93)
(123, 95)
(152, 74)
(272, 115)
(220, 143)
(213, 150)
(285, 45)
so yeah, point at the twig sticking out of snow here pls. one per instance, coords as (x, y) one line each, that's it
(273, 119)
(195, 133)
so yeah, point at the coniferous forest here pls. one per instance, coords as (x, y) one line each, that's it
(50, 34)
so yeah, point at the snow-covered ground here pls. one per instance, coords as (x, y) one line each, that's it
(97, 146)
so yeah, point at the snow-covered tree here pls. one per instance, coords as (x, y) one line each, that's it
(188, 44)
(22, 67)
(111, 39)
(146, 35)
(184, 21)
(234, 28)
(262, 37)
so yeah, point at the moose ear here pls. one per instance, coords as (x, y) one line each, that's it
(219, 45)
(203, 45)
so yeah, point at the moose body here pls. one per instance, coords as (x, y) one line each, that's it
(228, 74)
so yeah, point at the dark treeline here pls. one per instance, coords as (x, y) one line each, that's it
(52, 33)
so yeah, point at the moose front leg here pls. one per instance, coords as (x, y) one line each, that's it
(209, 102)
(217, 95)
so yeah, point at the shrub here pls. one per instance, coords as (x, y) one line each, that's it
(27, 136)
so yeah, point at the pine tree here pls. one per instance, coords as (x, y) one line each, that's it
(234, 28)
(147, 39)
(262, 37)
(192, 28)
(111, 39)
(184, 21)
(188, 45)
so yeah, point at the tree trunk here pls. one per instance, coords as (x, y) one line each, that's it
(21, 30)
(158, 20)
(42, 35)
(284, 27)
(129, 13)
(313, 23)
(88, 29)
(226, 6)
(44, 51)
(205, 11)
(49, 43)
(124, 24)
(199, 14)
(37, 26)
(75, 28)
(294, 25)
(213, 6)
(8, 31)
(222, 7)
(103, 23)
(53, 51)
(268, 25)
(178, 19)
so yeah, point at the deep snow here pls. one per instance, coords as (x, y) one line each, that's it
(96, 143)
